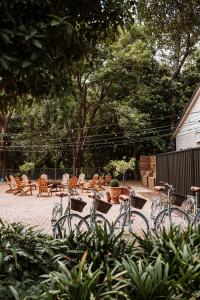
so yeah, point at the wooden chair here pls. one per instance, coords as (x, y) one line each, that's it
(44, 176)
(72, 184)
(12, 189)
(92, 185)
(23, 189)
(81, 180)
(64, 182)
(44, 188)
(26, 181)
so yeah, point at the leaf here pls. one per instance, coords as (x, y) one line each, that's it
(26, 63)
(37, 43)
(14, 292)
(5, 37)
(3, 63)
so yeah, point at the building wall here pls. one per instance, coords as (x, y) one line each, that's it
(189, 134)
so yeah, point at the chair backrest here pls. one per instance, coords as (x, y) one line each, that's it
(25, 179)
(72, 182)
(13, 181)
(81, 177)
(42, 185)
(7, 180)
(65, 179)
(44, 176)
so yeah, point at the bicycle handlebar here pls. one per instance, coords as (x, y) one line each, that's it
(167, 185)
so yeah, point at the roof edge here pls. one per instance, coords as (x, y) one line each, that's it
(191, 103)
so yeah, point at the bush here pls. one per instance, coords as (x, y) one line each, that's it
(114, 183)
(99, 265)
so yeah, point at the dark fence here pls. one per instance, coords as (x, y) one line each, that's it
(57, 173)
(180, 168)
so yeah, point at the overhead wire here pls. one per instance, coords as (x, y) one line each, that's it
(95, 126)
(126, 135)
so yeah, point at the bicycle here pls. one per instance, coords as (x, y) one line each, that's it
(94, 218)
(68, 221)
(130, 220)
(191, 206)
(170, 216)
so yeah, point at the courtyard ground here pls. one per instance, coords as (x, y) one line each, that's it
(36, 211)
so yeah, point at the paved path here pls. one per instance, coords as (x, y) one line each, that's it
(36, 211)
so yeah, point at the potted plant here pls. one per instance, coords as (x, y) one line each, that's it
(120, 167)
(114, 191)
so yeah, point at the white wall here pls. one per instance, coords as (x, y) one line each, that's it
(189, 134)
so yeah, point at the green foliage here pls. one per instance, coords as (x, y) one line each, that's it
(121, 166)
(99, 265)
(114, 183)
(27, 166)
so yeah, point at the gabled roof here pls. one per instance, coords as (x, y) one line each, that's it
(190, 105)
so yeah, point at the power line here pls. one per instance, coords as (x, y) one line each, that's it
(95, 126)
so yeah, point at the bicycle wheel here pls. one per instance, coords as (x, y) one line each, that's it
(67, 224)
(178, 218)
(197, 219)
(97, 219)
(132, 222)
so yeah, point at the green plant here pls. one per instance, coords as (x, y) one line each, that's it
(120, 167)
(114, 183)
(27, 166)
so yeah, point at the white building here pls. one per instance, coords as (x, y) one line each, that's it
(187, 133)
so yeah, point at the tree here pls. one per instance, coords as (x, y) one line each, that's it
(38, 40)
(175, 26)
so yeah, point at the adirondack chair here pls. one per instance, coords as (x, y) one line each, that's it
(26, 181)
(23, 189)
(12, 189)
(72, 184)
(92, 185)
(81, 180)
(44, 176)
(44, 188)
(64, 182)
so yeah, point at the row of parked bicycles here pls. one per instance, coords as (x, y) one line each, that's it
(163, 214)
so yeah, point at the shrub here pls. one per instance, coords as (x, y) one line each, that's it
(99, 265)
(114, 183)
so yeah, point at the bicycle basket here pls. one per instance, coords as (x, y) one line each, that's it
(177, 199)
(138, 202)
(77, 204)
(102, 206)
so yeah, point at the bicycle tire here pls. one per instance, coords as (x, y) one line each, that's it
(197, 219)
(178, 216)
(100, 220)
(64, 226)
(138, 224)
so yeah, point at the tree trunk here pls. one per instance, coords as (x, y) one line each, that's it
(77, 160)
(4, 123)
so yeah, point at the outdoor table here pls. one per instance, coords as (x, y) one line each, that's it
(54, 183)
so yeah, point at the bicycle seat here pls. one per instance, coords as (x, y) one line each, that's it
(123, 197)
(61, 194)
(159, 188)
(195, 189)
